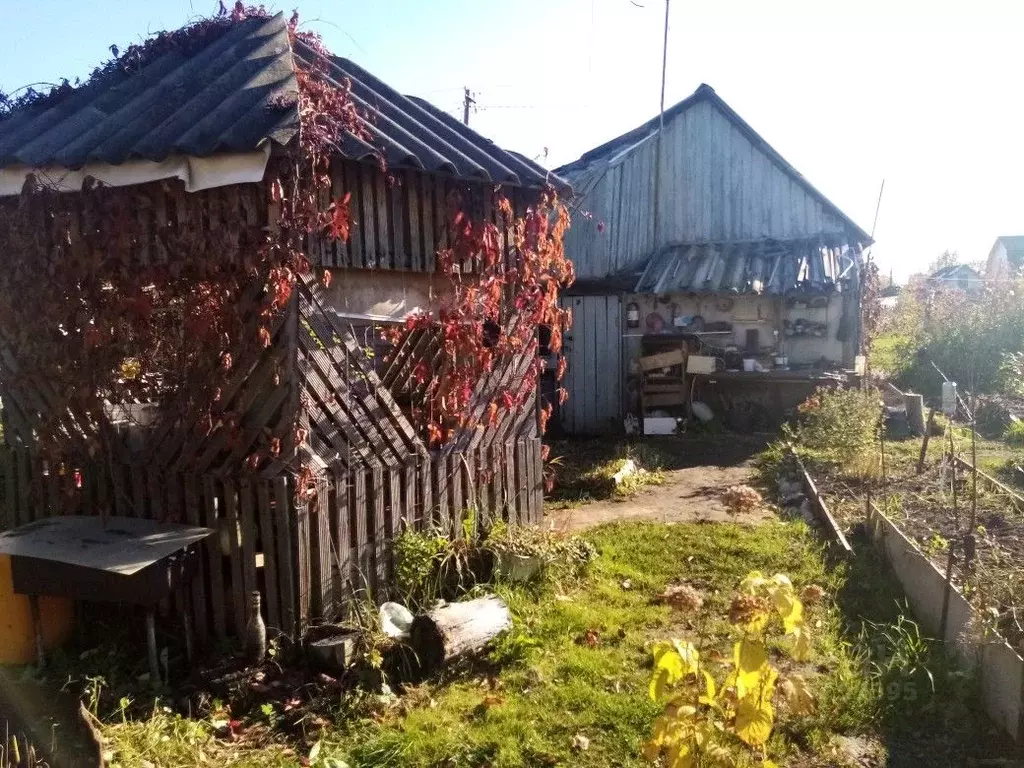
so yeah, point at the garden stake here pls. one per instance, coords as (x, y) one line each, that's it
(924, 443)
(949, 559)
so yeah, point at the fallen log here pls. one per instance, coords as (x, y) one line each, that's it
(457, 630)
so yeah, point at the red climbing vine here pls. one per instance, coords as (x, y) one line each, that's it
(490, 321)
(142, 294)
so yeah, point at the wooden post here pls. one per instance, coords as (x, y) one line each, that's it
(924, 442)
(915, 412)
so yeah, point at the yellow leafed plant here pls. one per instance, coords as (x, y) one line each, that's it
(704, 723)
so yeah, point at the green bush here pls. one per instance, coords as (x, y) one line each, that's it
(1014, 434)
(840, 426)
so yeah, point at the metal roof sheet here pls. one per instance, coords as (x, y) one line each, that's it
(764, 267)
(229, 96)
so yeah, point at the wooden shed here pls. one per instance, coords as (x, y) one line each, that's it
(194, 134)
(700, 238)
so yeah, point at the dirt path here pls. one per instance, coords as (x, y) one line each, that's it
(688, 495)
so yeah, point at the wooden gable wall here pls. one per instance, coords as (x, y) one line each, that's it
(716, 185)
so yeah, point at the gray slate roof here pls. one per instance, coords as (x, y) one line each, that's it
(763, 267)
(229, 96)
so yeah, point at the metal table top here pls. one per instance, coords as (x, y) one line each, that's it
(116, 545)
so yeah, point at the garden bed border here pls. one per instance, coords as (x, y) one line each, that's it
(999, 667)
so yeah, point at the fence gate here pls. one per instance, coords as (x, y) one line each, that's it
(593, 350)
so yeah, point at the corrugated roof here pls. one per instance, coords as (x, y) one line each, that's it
(764, 267)
(583, 170)
(227, 96)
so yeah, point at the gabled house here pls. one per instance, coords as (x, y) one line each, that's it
(1005, 257)
(961, 277)
(307, 459)
(697, 238)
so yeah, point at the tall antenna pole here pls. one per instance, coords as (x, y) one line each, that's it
(467, 99)
(878, 205)
(661, 129)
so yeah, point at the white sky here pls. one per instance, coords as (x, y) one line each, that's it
(927, 95)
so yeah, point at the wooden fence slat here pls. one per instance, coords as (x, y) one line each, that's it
(359, 513)
(459, 504)
(193, 516)
(215, 559)
(238, 596)
(321, 558)
(441, 517)
(379, 523)
(247, 518)
(495, 456)
(425, 498)
(538, 481)
(522, 483)
(285, 553)
(511, 491)
(302, 565)
(483, 485)
(342, 539)
(271, 588)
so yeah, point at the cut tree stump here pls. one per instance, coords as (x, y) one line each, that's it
(457, 630)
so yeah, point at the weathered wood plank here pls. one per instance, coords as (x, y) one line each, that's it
(303, 577)
(442, 516)
(214, 558)
(379, 526)
(509, 470)
(359, 515)
(398, 210)
(413, 202)
(385, 246)
(321, 560)
(458, 501)
(239, 598)
(342, 539)
(285, 553)
(268, 546)
(193, 516)
(247, 519)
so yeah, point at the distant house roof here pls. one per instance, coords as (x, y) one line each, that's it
(954, 271)
(764, 267)
(1014, 245)
(236, 93)
(579, 172)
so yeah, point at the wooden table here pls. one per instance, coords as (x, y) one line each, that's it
(105, 559)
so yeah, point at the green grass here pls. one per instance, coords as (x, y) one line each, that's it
(544, 684)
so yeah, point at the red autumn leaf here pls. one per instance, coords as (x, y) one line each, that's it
(264, 337)
(563, 395)
(275, 447)
(301, 433)
(225, 361)
(545, 451)
(563, 366)
(421, 372)
(78, 478)
(327, 278)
